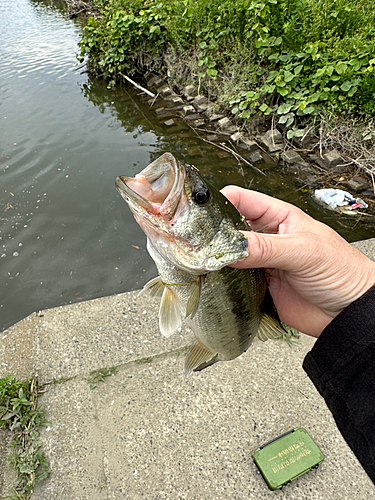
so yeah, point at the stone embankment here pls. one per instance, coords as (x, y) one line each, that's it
(311, 167)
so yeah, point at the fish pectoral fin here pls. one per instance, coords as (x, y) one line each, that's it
(269, 328)
(193, 302)
(170, 312)
(155, 287)
(198, 355)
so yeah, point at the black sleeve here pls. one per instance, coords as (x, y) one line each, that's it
(342, 367)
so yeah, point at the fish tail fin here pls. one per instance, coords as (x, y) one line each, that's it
(198, 358)
(270, 326)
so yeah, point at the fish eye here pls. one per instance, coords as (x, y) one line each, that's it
(202, 196)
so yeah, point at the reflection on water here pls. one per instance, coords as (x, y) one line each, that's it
(65, 233)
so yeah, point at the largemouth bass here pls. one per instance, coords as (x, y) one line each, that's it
(193, 233)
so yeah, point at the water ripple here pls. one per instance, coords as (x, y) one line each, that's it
(30, 45)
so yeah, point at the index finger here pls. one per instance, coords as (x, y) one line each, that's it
(259, 209)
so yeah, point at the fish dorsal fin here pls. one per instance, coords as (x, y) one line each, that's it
(155, 287)
(170, 313)
(196, 356)
(193, 302)
(269, 328)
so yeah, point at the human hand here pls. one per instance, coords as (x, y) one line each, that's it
(315, 272)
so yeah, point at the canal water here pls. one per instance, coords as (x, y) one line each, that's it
(65, 233)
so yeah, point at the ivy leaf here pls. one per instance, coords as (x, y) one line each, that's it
(352, 91)
(314, 97)
(341, 67)
(295, 132)
(212, 72)
(252, 95)
(272, 75)
(355, 64)
(284, 57)
(273, 57)
(284, 108)
(346, 86)
(264, 108)
(288, 119)
(268, 89)
(283, 91)
(309, 110)
(288, 76)
(155, 29)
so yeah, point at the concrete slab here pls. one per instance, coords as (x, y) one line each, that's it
(17, 349)
(151, 433)
(148, 431)
(71, 340)
(73, 444)
(367, 247)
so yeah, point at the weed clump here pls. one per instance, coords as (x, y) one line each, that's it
(19, 413)
(98, 376)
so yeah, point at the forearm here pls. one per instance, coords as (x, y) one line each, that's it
(342, 367)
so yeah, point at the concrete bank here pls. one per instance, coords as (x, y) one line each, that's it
(148, 432)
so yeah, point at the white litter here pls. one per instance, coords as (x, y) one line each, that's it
(338, 198)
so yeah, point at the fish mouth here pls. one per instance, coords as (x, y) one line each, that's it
(156, 190)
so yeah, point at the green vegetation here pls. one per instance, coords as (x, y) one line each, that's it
(295, 58)
(291, 335)
(98, 376)
(144, 360)
(19, 413)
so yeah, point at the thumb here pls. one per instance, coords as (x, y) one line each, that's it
(282, 251)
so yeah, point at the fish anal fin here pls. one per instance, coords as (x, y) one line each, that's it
(170, 315)
(193, 302)
(155, 287)
(269, 328)
(197, 356)
(211, 362)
